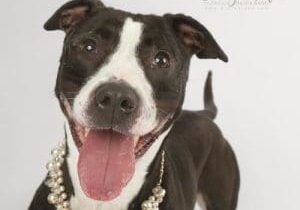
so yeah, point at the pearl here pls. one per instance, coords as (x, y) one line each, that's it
(59, 172)
(156, 189)
(146, 204)
(63, 153)
(61, 188)
(55, 191)
(159, 200)
(63, 196)
(60, 156)
(62, 145)
(50, 165)
(57, 165)
(55, 185)
(52, 198)
(59, 180)
(48, 182)
(66, 204)
(155, 204)
(161, 193)
(59, 207)
(60, 200)
(59, 160)
(55, 152)
(151, 198)
(53, 174)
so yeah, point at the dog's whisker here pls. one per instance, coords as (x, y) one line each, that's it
(68, 94)
(162, 111)
(70, 98)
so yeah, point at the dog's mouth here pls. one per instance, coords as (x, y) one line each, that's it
(106, 162)
(106, 158)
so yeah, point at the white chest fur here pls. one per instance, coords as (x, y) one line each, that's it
(81, 202)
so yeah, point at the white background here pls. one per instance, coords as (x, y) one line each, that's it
(256, 92)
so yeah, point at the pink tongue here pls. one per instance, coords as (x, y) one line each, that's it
(106, 164)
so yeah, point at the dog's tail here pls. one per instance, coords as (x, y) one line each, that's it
(210, 108)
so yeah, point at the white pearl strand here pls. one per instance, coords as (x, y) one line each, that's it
(158, 192)
(58, 197)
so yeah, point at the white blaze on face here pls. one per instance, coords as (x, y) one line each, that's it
(123, 65)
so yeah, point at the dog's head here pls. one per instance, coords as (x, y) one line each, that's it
(121, 83)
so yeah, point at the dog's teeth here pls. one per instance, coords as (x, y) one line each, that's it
(86, 131)
(136, 139)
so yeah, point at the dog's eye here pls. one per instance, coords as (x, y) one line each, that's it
(162, 59)
(90, 46)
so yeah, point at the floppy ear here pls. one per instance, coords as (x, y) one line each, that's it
(72, 13)
(195, 37)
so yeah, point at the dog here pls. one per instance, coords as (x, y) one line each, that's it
(121, 85)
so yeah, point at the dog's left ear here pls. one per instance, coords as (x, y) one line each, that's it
(72, 13)
(195, 37)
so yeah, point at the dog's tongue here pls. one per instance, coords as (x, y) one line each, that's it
(106, 164)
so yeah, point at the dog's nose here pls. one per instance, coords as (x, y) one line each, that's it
(116, 97)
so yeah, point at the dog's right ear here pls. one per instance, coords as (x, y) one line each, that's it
(72, 13)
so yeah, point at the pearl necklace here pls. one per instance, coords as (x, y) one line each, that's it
(54, 181)
(58, 196)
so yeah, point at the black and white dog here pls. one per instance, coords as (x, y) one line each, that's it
(121, 85)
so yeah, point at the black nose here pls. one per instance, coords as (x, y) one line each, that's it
(116, 97)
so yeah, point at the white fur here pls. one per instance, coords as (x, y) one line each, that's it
(201, 202)
(123, 65)
(80, 201)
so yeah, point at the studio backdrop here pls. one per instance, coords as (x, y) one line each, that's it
(256, 92)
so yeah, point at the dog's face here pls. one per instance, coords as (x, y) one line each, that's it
(121, 83)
